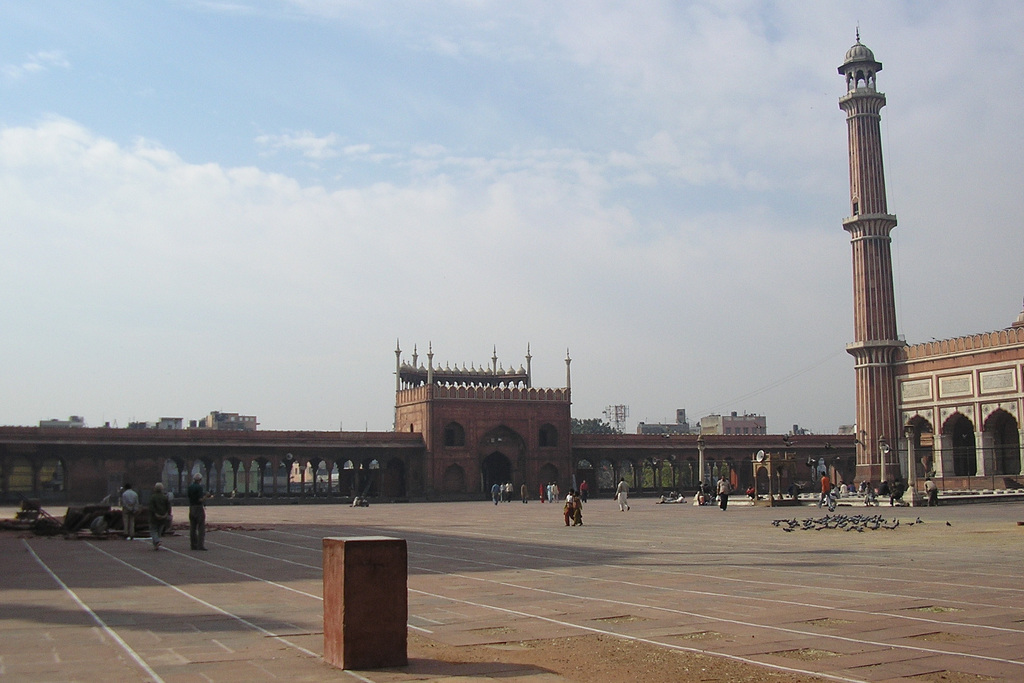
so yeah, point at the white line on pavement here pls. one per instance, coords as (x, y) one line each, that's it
(95, 617)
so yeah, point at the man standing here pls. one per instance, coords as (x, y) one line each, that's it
(159, 514)
(622, 495)
(723, 492)
(932, 491)
(129, 509)
(826, 489)
(584, 491)
(197, 513)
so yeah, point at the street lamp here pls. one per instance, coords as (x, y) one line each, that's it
(910, 432)
(883, 452)
(700, 459)
(288, 474)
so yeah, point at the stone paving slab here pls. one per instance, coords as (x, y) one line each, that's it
(904, 603)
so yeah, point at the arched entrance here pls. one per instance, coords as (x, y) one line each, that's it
(173, 477)
(497, 450)
(495, 469)
(647, 476)
(347, 479)
(606, 480)
(585, 473)
(18, 477)
(368, 478)
(762, 483)
(688, 474)
(961, 433)
(1005, 434)
(627, 472)
(923, 444)
(548, 474)
(393, 479)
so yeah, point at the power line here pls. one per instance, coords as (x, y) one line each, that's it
(776, 383)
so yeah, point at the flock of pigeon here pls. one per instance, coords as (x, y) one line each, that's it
(859, 523)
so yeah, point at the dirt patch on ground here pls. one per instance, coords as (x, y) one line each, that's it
(952, 677)
(602, 658)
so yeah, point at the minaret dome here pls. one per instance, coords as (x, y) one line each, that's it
(860, 68)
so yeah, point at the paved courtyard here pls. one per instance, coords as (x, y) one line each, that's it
(940, 599)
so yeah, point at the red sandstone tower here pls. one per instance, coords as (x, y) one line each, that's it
(874, 306)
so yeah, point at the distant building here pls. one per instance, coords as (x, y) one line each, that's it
(162, 423)
(73, 421)
(224, 422)
(733, 424)
(680, 426)
(481, 426)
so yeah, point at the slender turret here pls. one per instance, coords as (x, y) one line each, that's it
(874, 305)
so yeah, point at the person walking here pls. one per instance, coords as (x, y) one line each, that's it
(197, 513)
(159, 514)
(129, 509)
(524, 492)
(622, 495)
(723, 492)
(568, 507)
(495, 492)
(826, 489)
(584, 491)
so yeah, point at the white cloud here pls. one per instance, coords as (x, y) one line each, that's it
(306, 143)
(44, 60)
(659, 189)
(201, 276)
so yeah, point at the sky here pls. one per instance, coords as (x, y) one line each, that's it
(247, 206)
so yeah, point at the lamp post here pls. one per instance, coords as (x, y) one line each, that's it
(910, 432)
(883, 452)
(700, 459)
(288, 475)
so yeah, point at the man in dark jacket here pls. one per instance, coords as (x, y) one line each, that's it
(197, 513)
(159, 514)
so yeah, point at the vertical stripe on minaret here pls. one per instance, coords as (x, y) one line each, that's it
(874, 305)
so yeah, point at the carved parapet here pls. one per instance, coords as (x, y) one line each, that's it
(969, 344)
(500, 393)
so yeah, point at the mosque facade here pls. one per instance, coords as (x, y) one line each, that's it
(950, 409)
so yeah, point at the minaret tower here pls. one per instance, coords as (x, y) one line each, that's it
(874, 306)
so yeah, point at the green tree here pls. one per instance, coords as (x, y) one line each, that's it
(593, 425)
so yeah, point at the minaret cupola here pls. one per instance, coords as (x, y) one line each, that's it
(860, 67)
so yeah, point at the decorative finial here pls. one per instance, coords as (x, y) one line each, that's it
(858, 32)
